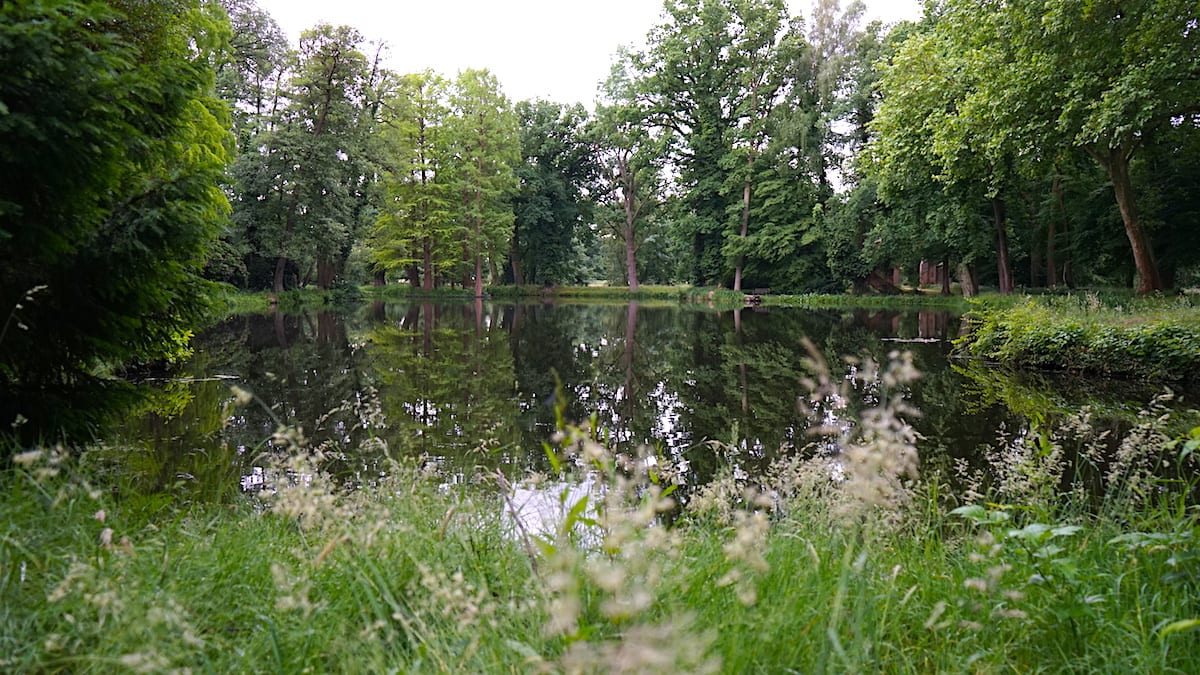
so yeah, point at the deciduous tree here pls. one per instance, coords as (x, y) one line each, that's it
(114, 149)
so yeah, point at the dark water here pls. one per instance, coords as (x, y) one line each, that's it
(471, 387)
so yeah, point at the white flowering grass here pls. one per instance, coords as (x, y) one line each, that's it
(802, 571)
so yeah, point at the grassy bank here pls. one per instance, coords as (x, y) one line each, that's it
(878, 569)
(241, 302)
(231, 300)
(613, 293)
(902, 301)
(1118, 335)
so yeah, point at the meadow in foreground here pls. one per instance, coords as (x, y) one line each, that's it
(1066, 550)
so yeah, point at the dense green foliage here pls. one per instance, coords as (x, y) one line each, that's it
(552, 212)
(113, 152)
(1005, 127)
(1153, 339)
(743, 147)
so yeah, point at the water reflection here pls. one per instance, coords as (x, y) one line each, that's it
(475, 387)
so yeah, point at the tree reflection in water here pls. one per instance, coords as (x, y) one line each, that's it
(472, 387)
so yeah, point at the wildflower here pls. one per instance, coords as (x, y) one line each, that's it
(242, 397)
(145, 662)
(293, 593)
(938, 610)
(27, 458)
(976, 585)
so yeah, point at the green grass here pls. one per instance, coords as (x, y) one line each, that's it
(1155, 338)
(877, 573)
(233, 301)
(903, 301)
(621, 293)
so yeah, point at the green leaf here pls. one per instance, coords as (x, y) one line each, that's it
(1179, 627)
(523, 649)
(575, 513)
(552, 456)
(981, 516)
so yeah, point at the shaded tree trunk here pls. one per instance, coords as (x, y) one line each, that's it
(326, 273)
(741, 259)
(629, 197)
(1003, 267)
(1052, 233)
(288, 227)
(427, 259)
(1116, 164)
(515, 260)
(967, 280)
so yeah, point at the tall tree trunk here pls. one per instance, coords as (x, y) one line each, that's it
(326, 273)
(427, 258)
(277, 280)
(515, 259)
(967, 280)
(629, 196)
(479, 252)
(944, 273)
(741, 259)
(479, 230)
(630, 256)
(1052, 233)
(289, 225)
(478, 275)
(1003, 268)
(1116, 163)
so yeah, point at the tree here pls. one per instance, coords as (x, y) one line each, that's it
(1119, 70)
(552, 205)
(482, 132)
(114, 148)
(301, 185)
(732, 83)
(839, 62)
(684, 80)
(764, 50)
(931, 156)
(629, 152)
(249, 76)
(415, 230)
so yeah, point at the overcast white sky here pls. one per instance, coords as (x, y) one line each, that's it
(553, 49)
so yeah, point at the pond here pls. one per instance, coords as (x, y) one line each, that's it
(467, 388)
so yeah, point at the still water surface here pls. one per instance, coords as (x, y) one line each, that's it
(466, 387)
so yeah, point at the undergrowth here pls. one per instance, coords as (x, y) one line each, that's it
(1148, 338)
